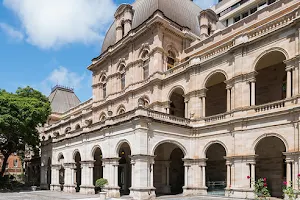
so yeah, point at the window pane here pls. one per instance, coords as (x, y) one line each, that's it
(104, 90)
(146, 71)
(122, 81)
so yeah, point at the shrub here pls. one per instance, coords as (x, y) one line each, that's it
(101, 182)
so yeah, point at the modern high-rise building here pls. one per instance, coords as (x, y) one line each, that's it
(185, 100)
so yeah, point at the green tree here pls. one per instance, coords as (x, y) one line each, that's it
(21, 113)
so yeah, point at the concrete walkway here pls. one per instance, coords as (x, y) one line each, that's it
(50, 195)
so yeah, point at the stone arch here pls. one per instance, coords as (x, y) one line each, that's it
(75, 152)
(67, 130)
(102, 116)
(94, 150)
(145, 47)
(206, 147)
(120, 143)
(77, 126)
(216, 170)
(256, 142)
(103, 77)
(270, 163)
(171, 47)
(216, 93)
(274, 49)
(211, 75)
(271, 80)
(183, 149)
(168, 169)
(60, 156)
(121, 65)
(121, 109)
(174, 88)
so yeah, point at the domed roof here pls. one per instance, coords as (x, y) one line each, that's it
(183, 12)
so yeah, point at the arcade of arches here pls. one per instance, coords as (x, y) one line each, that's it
(171, 172)
(271, 81)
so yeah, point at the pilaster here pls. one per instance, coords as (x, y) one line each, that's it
(240, 169)
(110, 172)
(194, 177)
(142, 177)
(55, 186)
(87, 186)
(69, 185)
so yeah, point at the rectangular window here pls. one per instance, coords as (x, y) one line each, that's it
(271, 1)
(236, 19)
(245, 14)
(253, 10)
(146, 71)
(122, 81)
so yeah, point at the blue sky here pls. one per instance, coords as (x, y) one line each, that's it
(49, 42)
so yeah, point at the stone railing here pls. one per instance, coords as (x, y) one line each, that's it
(167, 117)
(270, 106)
(214, 118)
(274, 25)
(57, 130)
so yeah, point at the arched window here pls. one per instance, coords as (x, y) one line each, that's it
(122, 77)
(171, 59)
(145, 57)
(77, 127)
(121, 110)
(123, 29)
(103, 82)
(102, 117)
(209, 31)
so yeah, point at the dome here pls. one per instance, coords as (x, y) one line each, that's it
(183, 12)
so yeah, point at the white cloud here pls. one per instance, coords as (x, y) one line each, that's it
(11, 32)
(53, 23)
(204, 4)
(62, 76)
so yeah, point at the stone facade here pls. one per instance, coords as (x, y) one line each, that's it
(174, 112)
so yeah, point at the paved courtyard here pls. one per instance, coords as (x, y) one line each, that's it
(47, 195)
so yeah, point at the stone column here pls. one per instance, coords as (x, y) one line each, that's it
(87, 186)
(69, 185)
(228, 88)
(203, 106)
(140, 188)
(288, 173)
(110, 172)
(288, 82)
(228, 178)
(166, 169)
(252, 175)
(295, 81)
(203, 176)
(186, 108)
(167, 107)
(252, 86)
(193, 177)
(292, 82)
(55, 186)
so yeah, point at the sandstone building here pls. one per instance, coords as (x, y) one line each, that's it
(186, 101)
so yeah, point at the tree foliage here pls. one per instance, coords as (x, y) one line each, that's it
(21, 113)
